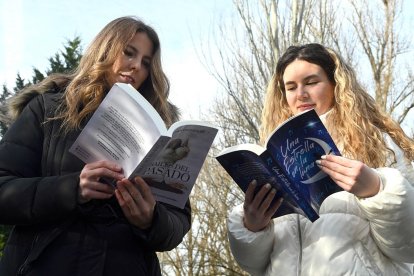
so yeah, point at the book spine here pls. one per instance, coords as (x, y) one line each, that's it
(291, 189)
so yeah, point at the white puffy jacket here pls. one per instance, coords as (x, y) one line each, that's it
(371, 236)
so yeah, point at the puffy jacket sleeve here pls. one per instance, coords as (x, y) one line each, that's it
(170, 224)
(26, 197)
(391, 211)
(251, 250)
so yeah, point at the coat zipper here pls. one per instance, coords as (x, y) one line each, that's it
(25, 266)
(299, 272)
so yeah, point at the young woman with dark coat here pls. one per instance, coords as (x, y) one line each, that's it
(65, 220)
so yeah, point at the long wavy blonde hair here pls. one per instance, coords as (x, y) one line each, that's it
(356, 121)
(86, 87)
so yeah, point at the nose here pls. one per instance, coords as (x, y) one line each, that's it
(136, 63)
(301, 92)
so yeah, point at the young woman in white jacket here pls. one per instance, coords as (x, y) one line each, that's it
(366, 229)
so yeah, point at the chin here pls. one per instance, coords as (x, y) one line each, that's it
(301, 110)
(323, 112)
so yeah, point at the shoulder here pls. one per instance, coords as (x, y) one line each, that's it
(51, 101)
(36, 98)
(404, 166)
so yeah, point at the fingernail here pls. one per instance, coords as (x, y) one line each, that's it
(318, 162)
(254, 182)
(267, 186)
(323, 157)
(273, 191)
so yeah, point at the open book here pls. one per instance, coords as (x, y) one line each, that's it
(288, 164)
(127, 130)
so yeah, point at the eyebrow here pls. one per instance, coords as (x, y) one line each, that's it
(137, 51)
(304, 79)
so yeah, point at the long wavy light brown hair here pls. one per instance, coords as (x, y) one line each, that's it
(356, 122)
(86, 87)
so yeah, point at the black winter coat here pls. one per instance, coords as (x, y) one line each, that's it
(52, 234)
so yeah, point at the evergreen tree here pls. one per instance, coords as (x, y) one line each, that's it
(19, 84)
(71, 58)
(3, 121)
(64, 61)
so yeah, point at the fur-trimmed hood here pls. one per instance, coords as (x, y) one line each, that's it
(12, 108)
(20, 100)
(15, 104)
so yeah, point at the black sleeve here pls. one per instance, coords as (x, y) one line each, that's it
(27, 197)
(170, 224)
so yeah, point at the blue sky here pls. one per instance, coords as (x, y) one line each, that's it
(31, 31)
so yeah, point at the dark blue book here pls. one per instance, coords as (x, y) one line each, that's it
(288, 164)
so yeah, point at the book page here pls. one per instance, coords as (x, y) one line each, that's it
(256, 149)
(173, 168)
(123, 129)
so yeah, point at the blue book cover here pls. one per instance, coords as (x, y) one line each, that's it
(288, 164)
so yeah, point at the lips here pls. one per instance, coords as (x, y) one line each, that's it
(127, 79)
(306, 106)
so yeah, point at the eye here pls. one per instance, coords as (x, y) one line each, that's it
(312, 82)
(290, 88)
(146, 63)
(128, 53)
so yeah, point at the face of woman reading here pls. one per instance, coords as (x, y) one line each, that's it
(133, 64)
(307, 87)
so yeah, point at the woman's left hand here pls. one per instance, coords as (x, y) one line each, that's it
(351, 175)
(136, 201)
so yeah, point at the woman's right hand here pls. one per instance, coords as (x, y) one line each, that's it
(258, 209)
(90, 186)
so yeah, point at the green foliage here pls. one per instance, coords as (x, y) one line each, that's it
(19, 83)
(71, 58)
(62, 62)
(37, 76)
(4, 95)
(4, 233)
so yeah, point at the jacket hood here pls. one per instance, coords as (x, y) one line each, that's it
(10, 110)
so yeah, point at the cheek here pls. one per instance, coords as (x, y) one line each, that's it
(117, 65)
(114, 68)
(330, 101)
(143, 75)
(327, 98)
(291, 103)
(111, 76)
(290, 99)
(141, 78)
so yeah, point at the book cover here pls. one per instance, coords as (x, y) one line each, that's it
(288, 163)
(174, 162)
(127, 130)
